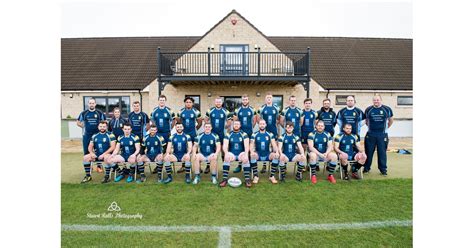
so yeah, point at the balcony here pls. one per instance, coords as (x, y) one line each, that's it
(213, 66)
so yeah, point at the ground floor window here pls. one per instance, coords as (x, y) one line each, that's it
(231, 103)
(342, 99)
(197, 101)
(278, 101)
(107, 104)
(405, 100)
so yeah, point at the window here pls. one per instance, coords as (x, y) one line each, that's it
(341, 99)
(197, 101)
(405, 100)
(278, 100)
(231, 103)
(107, 104)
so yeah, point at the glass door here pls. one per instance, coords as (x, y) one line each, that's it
(234, 59)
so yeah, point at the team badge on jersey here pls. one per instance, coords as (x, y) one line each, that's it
(131, 143)
(222, 115)
(165, 115)
(156, 143)
(139, 117)
(354, 114)
(104, 139)
(95, 116)
(381, 112)
(211, 142)
(240, 139)
(192, 116)
(267, 138)
(324, 139)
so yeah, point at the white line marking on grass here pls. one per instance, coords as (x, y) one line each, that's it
(225, 232)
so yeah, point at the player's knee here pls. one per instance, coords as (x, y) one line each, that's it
(253, 155)
(312, 156)
(343, 157)
(132, 159)
(332, 157)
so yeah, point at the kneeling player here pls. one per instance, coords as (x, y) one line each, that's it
(206, 148)
(320, 148)
(236, 147)
(153, 143)
(179, 150)
(287, 144)
(263, 147)
(100, 148)
(127, 149)
(345, 145)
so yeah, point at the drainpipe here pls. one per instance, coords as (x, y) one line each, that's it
(141, 102)
(327, 94)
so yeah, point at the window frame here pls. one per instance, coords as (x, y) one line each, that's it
(199, 99)
(406, 97)
(344, 97)
(125, 115)
(282, 103)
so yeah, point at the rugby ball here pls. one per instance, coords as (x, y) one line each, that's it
(234, 182)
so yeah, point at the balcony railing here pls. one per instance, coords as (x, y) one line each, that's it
(236, 65)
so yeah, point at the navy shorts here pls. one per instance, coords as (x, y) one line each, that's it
(179, 156)
(304, 137)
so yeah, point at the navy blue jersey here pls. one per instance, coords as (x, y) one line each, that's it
(321, 141)
(102, 142)
(189, 118)
(377, 118)
(116, 125)
(218, 118)
(329, 118)
(127, 144)
(347, 143)
(236, 142)
(153, 145)
(246, 115)
(180, 143)
(262, 142)
(270, 115)
(162, 118)
(207, 143)
(293, 115)
(138, 122)
(290, 143)
(353, 116)
(91, 120)
(308, 120)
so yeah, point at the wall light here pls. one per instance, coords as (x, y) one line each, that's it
(71, 95)
(209, 94)
(258, 94)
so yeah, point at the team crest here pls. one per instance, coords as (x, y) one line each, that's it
(121, 125)
(354, 114)
(213, 115)
(240, 139)
(267, 138)
(104, 139)
(166, 115)
(222, 115)
(381, 112)
(352, 142)
(273, 111)
(211, 142)
(192, 115)
(131, 143)
(330, 116)
(139, 117)
(324, 139)
(156, 143)
(311, 116)
(95, 116)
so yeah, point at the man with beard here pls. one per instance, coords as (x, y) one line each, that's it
(350, 115)
(269, 112)
(263, 147)
(179, 150)
(206, 148)
(320, 147)
(127, 149)
(327, 115)
(191, 119)
(348, 148)
(246, 115)
(152, 145)
(289, 144)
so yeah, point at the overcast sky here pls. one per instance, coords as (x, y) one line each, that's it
(281, 18)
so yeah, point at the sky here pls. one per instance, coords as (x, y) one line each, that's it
(280, 18)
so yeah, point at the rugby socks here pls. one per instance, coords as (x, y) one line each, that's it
(141, 168)
(300, 170)
(87, 168)
(356, 167)
(274, 167)
(246, 171)
(160, 169)
(332, 167)
(225, 170)
(187, 166)
(168, 169)
(344, 167)
(107, 170)
(313, 167)
(283, 170)
(253, 164)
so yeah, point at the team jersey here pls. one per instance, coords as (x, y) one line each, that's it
(162, 118)
(207, 143)
(270, 115)
(127, 143)
(102, 142)
(218, 118)
(246, 116)
(320, 140)
(116, 125)
(377, 118)
(153, 145)
(236, 141)
(180, 143)
(138, 122)
(329, 119)
(308, 120)
(353, 116)
(347, 143)
(91, 120)
(293, 115)
(262, 142)
(189, 118)
(290, 143)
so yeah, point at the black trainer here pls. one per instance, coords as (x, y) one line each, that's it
(346, 176)
(207, 170)
(86, 179)
(105, 180)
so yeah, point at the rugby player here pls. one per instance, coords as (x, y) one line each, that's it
(152, 150)
(191, 119)
(139, 120)
(116, 123)
(345, 145)
(246, 114)
(288, 144)
(269, 112)
(320, 147)
(179, 149)
(206, 148)
(352, 115)
(220, 119)
(327, 114)
(263, 147)
(126, 150)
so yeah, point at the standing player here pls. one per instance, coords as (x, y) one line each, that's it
(346, 144)
(206, 148)
(263, 147)
(320, 147)
(89, 120)
(292, 114)
(246, 115)
(220, 119)
(379, 120)
(139, 121)
(288, 144)
(191, 119)
(236, 147)
(127, 149)
(100, 148)
(179, 149)
(350, 115)
(327, 115)
(116, 123)
(269, 112)
(153, 144)
(163, 117)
